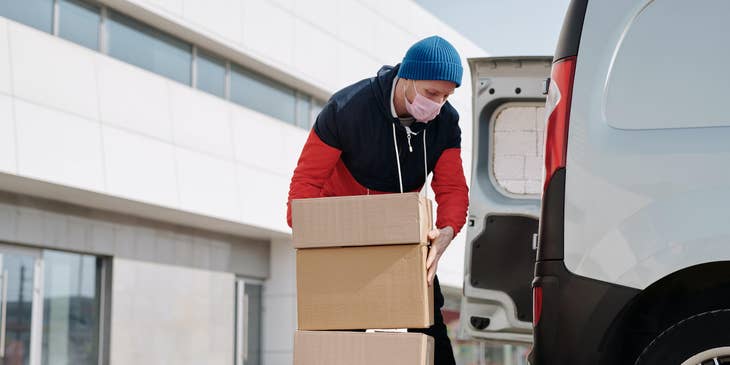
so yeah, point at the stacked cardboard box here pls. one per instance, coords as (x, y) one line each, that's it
(354, 348)
(361, 264)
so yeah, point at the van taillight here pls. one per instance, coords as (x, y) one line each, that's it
(557, 109)
(536, 305)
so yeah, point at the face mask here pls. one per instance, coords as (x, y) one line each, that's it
(422, 108)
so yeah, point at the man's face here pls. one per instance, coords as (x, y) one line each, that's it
(436, 90)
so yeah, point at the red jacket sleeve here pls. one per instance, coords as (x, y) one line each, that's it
(452, 194)
(314, 167)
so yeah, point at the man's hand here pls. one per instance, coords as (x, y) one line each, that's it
(440, 239)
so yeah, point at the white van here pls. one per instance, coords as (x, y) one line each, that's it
(625, 249)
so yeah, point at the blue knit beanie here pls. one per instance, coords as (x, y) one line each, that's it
(432, 58)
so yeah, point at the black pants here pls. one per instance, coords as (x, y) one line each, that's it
(443, 353)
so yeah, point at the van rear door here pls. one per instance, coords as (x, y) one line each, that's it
(507, 168)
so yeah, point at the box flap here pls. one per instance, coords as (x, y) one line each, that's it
(361, 220)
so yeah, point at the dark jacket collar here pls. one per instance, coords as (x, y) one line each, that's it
(382, 85)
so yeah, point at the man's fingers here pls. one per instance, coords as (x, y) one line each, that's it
(430, 259)
(431, 274)
(431, 265)
(433, 257)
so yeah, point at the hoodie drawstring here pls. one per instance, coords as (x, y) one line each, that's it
(397, 160)
(425, 166)
(425, 159)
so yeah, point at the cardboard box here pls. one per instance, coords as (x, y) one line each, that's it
(359, 348)
(341, 288)
(361, 220)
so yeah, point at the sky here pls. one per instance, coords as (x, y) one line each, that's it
(504, 27)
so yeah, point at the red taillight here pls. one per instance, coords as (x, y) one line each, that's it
(557, 108)
(536, 305)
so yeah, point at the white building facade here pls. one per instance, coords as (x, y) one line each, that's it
(146, 148)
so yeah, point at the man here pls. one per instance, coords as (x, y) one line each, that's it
(385, 134)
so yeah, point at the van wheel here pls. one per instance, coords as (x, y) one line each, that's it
(702, 339)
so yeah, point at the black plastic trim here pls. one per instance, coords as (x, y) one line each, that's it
(577, 312)
(572, 27)
(552, 219)
(587, 321)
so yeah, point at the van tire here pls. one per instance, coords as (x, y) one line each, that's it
(687, 338)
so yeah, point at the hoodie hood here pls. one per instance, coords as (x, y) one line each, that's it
(382, 85)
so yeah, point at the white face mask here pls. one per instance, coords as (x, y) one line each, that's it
(422, 108)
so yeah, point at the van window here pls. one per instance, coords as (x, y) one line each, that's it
(671, 69)
(518, 148)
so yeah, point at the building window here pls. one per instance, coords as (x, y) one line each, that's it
(71, 308)
(79, 23)
(35, 13)
(99, 28)
(210, 74)
(262, 94)
(248, 322)
(317, 106)
(304, 110)
(139, 44)
(52, 301)
(18, 270)
(308, 108)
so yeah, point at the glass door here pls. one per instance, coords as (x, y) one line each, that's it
(50, 307)
(248, 322)
(19, 290)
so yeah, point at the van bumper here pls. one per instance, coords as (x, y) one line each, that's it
(578, 316)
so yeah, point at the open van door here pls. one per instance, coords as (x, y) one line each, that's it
(506, 183)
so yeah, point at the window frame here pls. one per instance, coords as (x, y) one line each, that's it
(492, 150)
